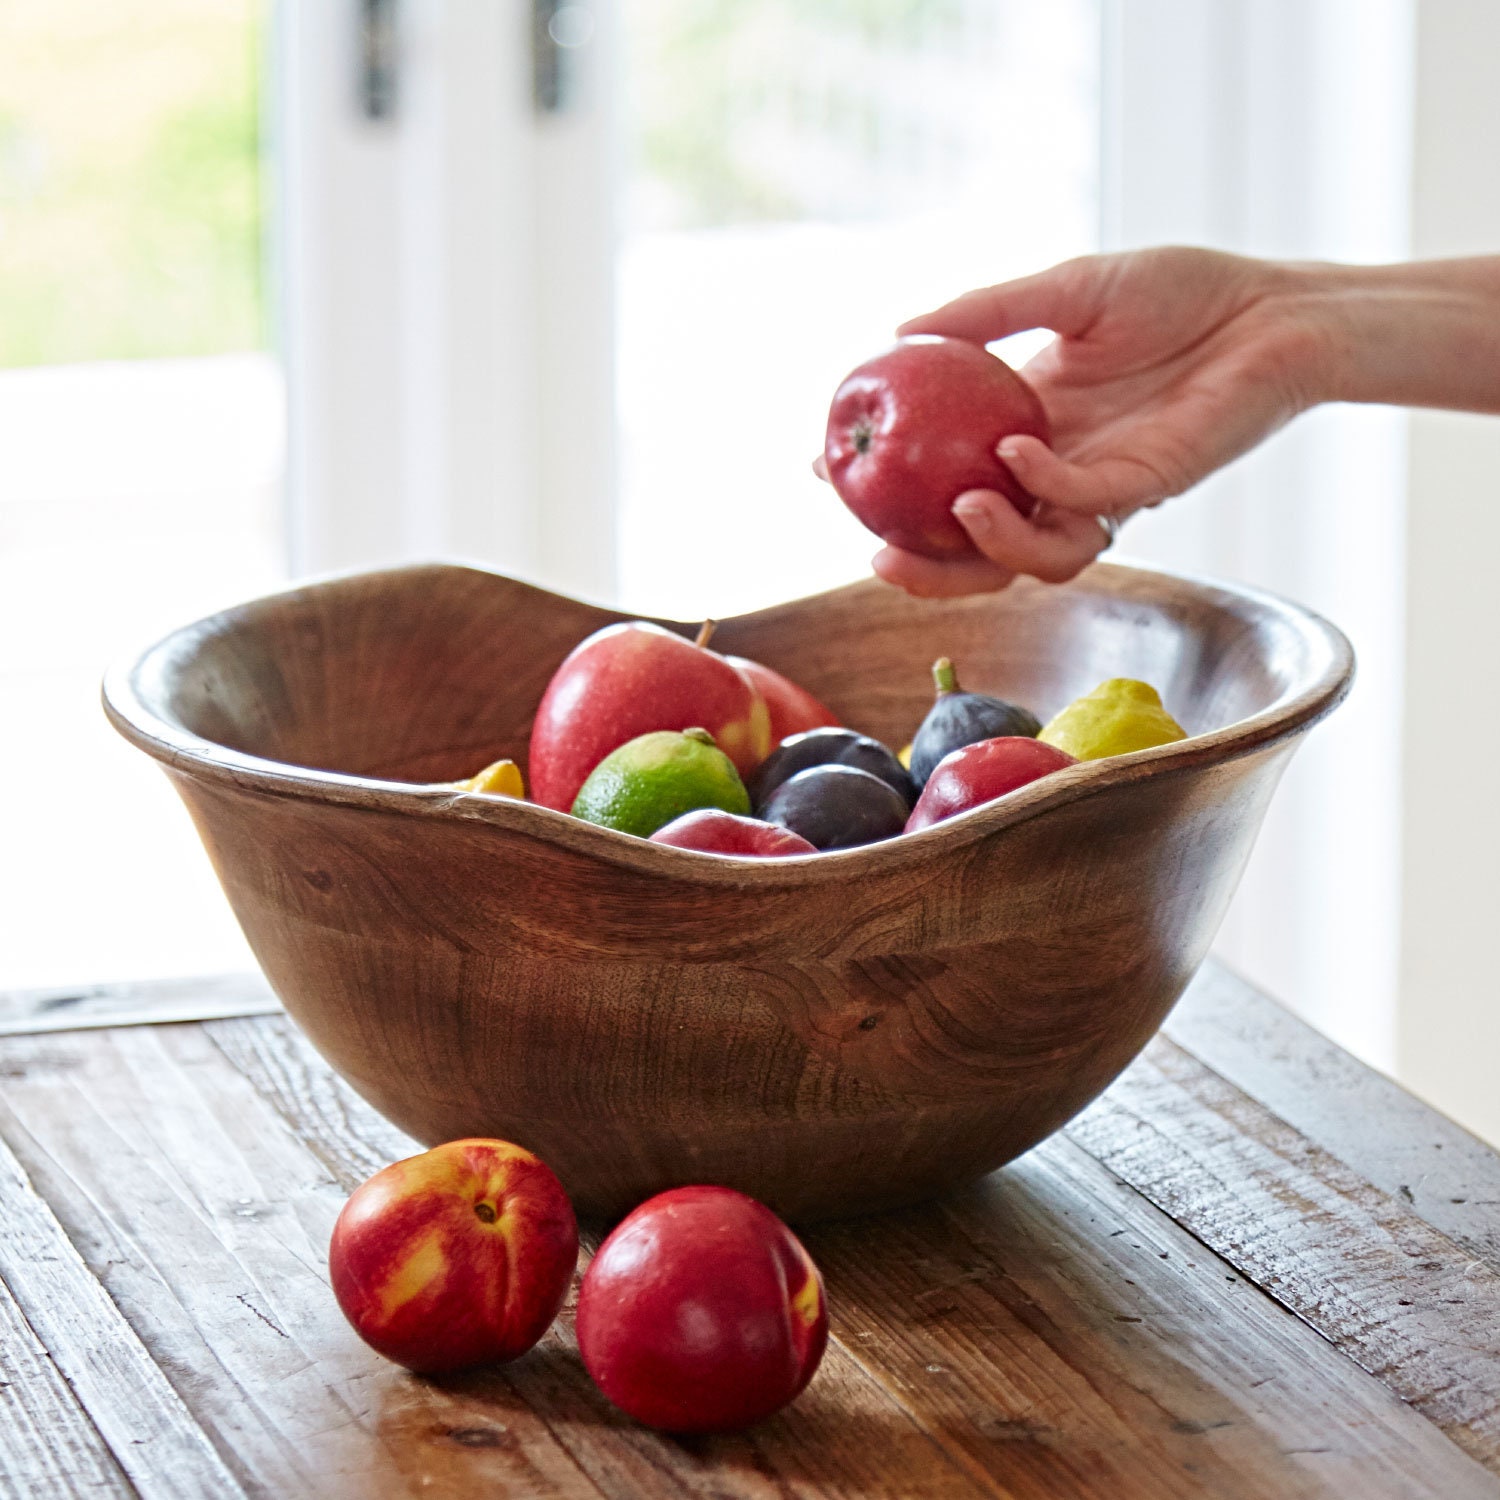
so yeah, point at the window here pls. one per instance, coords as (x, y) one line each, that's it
(798, 177)
(141, 441)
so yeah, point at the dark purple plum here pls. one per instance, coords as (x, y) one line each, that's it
(837, 807)
(830, 747)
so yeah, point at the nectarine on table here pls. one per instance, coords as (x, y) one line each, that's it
(701, 1312)
(457, 1257)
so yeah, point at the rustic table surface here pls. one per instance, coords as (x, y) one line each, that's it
(1254, 1268)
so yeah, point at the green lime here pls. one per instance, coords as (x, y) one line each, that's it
(1119, 716)
(649, 781)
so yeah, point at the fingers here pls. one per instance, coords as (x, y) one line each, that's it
(820, 468)
(1107, 487)
(1052, 544)
(1064, 299)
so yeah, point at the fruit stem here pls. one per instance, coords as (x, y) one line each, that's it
(945, 676)
(705, 632)
(701, 735)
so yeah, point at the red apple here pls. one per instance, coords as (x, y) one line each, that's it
(701, 1312)
(715, 832)
(633, 679)
(912, 429)
(793, 709)
(980, 772)
(460, 1256)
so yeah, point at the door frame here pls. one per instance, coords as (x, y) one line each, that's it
(445, 273)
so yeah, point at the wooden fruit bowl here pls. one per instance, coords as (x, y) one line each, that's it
(832, 1034)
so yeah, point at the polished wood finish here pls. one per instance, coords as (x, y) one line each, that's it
(1188, 1293)
(832, 1034)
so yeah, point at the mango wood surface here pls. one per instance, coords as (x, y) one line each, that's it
(831, 1034)
(1252, 1269)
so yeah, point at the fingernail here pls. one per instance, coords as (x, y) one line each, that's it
(973, 513)
(1009, 452)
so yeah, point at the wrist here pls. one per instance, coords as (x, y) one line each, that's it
(1420, 334)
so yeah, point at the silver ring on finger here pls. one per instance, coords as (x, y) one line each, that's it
(1110, 526)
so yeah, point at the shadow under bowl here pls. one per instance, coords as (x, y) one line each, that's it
(832, 1034)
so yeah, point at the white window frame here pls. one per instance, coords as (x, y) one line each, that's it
(446, 294)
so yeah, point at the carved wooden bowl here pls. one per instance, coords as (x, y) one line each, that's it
(831, 1034)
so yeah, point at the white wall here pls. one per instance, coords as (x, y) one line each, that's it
(1448, 1045)
(1282, 128)
(1358, 130)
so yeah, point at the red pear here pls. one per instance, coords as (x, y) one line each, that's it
(633, 679)
(794, 710)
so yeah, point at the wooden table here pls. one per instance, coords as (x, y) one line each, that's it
(1254, 1268)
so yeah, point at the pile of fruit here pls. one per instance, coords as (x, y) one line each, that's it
(700, 1312)
(649, 733)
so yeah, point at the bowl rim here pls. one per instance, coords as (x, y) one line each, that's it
(129, 707)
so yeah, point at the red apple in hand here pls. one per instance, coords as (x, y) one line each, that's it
(981, 772)
(633, 679)
(711, 831)
(793, 709)
(913, 428)
(457, 1257)
(701, 1312)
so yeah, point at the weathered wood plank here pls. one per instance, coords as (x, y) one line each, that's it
(209, 1220)
(209, 1224)
(848, 1435)
(48, 1445)
(150, 1432)
(1388, 1136)
(1053, 1310)
(1036, 1331)
(1406, 1302)
(142, 1003)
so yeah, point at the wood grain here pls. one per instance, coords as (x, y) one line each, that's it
(198, 1206)
(1403, 1300)
(130, 1402)
(836, 1033)
(48, 1444)
(848, 1435)
(1389, 1137)
(1074, 1339)
(1049, 1331)
(208, 1224)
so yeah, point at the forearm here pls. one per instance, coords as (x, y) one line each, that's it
(1420, 334)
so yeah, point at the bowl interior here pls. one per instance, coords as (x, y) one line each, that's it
(427, 673)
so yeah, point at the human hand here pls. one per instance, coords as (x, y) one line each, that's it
(1168, 364)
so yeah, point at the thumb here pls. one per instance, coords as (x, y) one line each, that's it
(1065, 299)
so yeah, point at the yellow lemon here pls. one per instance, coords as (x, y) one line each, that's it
(1119, 716)
(502, 779)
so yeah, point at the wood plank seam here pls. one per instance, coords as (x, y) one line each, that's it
(149, 1002)
(139, 1415)
(49, 1445)
(1402, 1300)
(1447, 1174)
